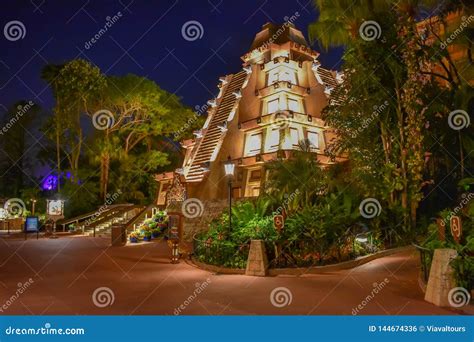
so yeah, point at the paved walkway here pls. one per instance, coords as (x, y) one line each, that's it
(141, 280)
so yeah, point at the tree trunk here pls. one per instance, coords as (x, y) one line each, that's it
(104, 174)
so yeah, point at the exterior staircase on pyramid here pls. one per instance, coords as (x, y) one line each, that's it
(213, 134)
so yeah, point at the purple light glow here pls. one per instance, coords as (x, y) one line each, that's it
(50, 182)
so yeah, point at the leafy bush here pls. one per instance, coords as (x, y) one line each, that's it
(463, 264)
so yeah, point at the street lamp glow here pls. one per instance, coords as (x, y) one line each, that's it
(229, 167)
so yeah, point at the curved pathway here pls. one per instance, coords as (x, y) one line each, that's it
(66, 272)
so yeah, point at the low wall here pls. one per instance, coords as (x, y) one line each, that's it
(308, 270)
(192, 225)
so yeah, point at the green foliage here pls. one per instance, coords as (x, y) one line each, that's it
(15, 142)
(463, 264)
(392, 117)
(316, 234)
(79, 198)
(296, 182)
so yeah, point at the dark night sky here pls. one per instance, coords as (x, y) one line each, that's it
(146, 41)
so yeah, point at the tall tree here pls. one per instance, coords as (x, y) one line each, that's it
(390, 95)
(133, 111)
(76, 87)
(15, 131)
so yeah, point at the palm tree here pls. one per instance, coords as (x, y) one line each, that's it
(297, 181)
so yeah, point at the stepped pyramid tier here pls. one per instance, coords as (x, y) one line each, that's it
(261, 113)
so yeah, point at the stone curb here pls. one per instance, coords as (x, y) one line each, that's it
(217, 269)
(307, 270)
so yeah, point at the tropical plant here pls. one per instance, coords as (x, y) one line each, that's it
(295, 182)
(392, 101)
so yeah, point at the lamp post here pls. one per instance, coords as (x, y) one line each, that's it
(33, 205)
(229, 168)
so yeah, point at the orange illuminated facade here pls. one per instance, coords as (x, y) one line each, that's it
(261, 113)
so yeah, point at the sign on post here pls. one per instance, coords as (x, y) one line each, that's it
(278, 222)
(456, 227)
(32, 225)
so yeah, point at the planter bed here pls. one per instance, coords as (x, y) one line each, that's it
(307, 270)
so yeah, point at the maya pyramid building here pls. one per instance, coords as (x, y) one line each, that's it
(261, 113)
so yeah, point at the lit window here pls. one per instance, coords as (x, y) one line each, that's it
(272, 78)
(273, 106)
(313, 138)
(273, 140)
(253, 144)
(278, 75)
(294, 136)
(293, 105)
